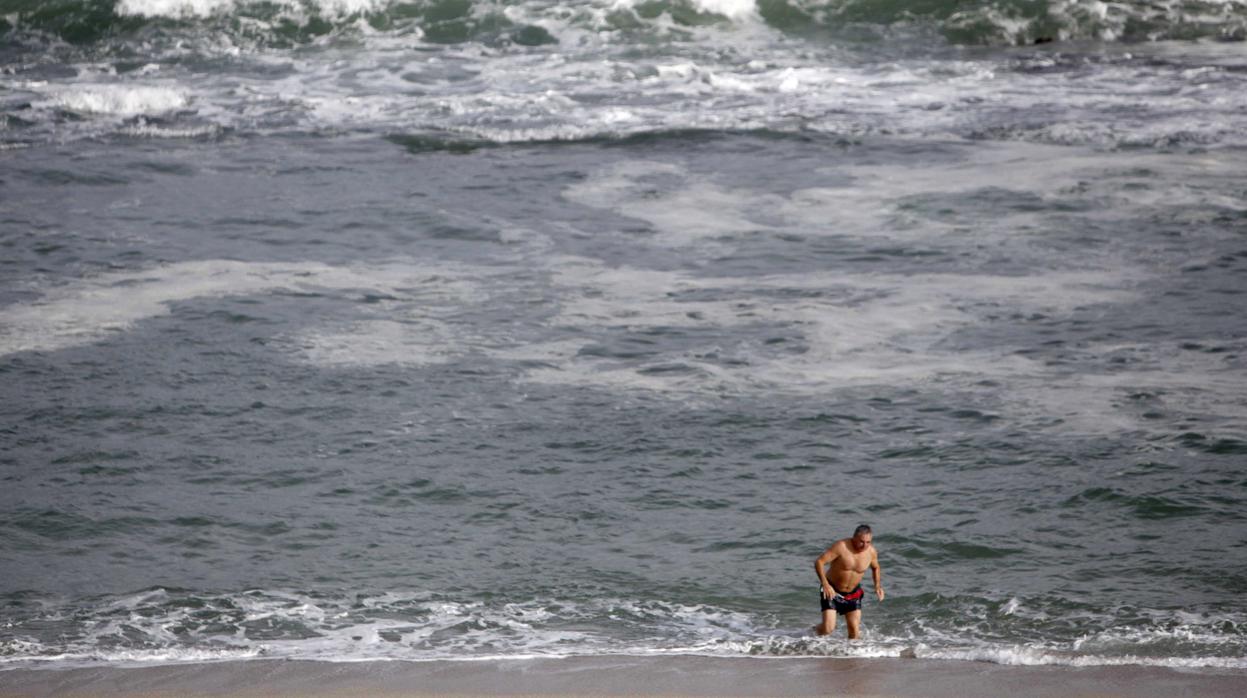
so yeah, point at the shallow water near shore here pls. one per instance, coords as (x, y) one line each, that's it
(326, 335)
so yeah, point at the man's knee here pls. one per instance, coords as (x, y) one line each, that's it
(828, 624)
(853, 621)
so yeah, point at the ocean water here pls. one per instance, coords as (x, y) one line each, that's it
(462, 329)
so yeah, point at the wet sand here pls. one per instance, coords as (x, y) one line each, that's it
(622, 676)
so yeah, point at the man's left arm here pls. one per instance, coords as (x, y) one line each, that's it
(876, 574)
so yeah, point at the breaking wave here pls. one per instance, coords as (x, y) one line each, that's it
(164, 626)
(286, 23)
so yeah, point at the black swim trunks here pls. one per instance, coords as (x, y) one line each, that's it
(843, 603)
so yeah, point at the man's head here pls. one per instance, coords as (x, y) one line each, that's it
(861, 538)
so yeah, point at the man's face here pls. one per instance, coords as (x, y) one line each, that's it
(861, 542)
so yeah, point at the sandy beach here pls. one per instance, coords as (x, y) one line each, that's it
(621, 676)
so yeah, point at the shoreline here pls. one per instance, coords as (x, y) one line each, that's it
(681, 675)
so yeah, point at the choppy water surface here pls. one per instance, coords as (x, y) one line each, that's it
(427, 330)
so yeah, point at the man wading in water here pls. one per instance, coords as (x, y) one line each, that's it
(842, 584)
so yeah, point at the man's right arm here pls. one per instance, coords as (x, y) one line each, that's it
(820, 565)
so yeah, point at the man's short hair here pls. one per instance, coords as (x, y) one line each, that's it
(860, 530)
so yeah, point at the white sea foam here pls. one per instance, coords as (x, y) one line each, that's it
(886, 201)
(662, 194)
(860, 328)
(1194, 384)
(90, 309)
(735, 9)
(124, 100)
(865, 328)
(854, 328)
(416, 627)
(204, 8)
(147, 130)
(1021, 655)
(172, 8)
(857, 329)
(891, 329)
(419, 342)
(557, 93)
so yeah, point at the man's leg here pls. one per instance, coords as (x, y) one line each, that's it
(828, 625)
(853, 621)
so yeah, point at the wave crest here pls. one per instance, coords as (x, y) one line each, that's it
(283, 23)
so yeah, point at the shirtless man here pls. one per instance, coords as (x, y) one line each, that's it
(842, 584)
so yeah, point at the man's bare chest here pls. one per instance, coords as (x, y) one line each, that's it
(856, 563)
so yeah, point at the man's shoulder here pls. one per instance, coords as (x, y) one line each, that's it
(836, 547)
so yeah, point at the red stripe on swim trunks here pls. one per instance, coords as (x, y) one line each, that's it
(854, 595)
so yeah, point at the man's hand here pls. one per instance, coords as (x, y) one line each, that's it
(879, 593)
(830, 593)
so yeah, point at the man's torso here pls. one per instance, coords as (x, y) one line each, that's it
(848, 568)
